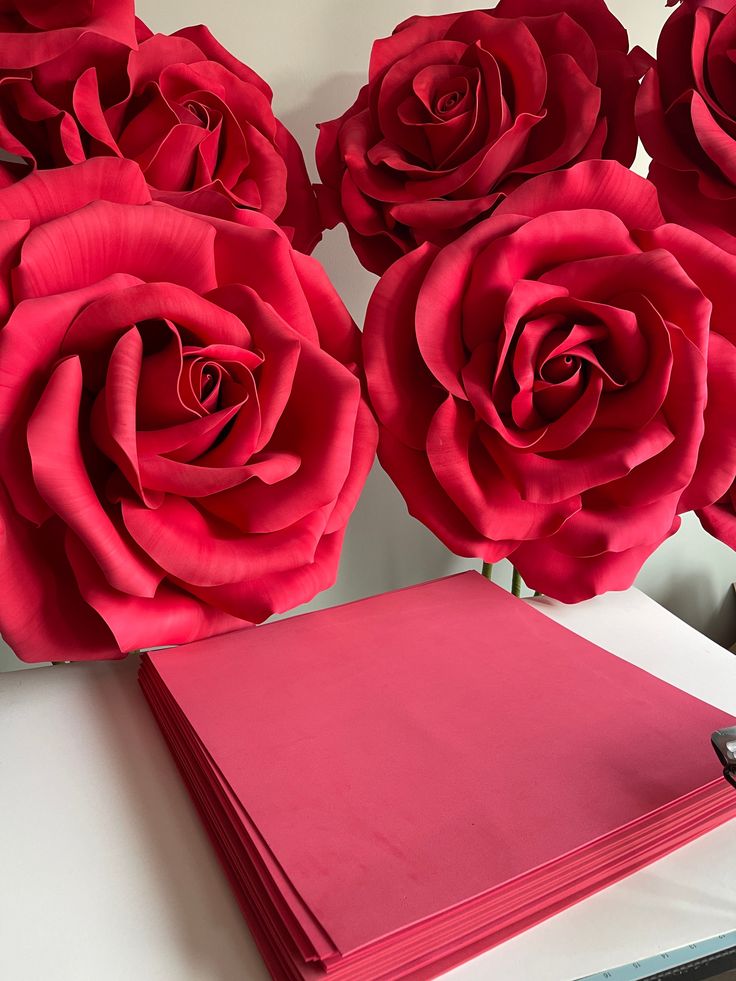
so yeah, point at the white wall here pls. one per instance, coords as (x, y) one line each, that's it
(314, 55)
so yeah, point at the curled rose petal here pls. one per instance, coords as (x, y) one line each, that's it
(585, 576)
(33, 33)
(720, 518)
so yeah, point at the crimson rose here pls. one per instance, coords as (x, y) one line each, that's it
(459, 109)
(34, 31)
(686, 113)
(182, 434)
(197, 121)
(556, 384)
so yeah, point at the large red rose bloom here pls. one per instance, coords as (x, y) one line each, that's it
(556, 384)
(197, 121)
(459, 109)
(182, 432)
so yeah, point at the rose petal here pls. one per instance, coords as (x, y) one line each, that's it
(361, 461)
(30, 344)
(102, 321)
(42, 613)
(720, 521)
(598, 457)
(170, 617)
(198, 548)
(572, 579)
(427, 502)
(213, 50)
(393, 363)
(712, 138)
(280, 347)
(716, 464)
(61, 476)
(256, 599)
(194, 480)
(172, 439)
(603, 185)
(470, 478)
(110, 18)
(43, 196)
(113, 419)
(159, 244)
(600, 23)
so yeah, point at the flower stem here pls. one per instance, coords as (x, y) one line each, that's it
(516, 582)
(487, 570)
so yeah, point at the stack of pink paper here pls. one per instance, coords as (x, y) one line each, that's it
(397, 784)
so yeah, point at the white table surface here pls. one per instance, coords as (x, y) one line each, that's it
(106, 874)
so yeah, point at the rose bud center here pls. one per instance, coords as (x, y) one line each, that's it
(201, 113)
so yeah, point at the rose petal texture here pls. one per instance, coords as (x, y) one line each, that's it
(35, 31)
(686, 116)
(197, 121)
(720, 518)
(554, 385)
(460, 109)
(183, 435)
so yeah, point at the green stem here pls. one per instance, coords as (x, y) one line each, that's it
(487, 570)
(516, 582)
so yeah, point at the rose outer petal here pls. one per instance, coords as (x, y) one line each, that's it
(572, 578)
(42, 612)
(393, 363)
(30, 344)
(257, 599)
(427, 502)
(199, 549)
(719, 520)
(603, 185)
(172, 616)
(57, 31)
(83, 247)
(60, 475)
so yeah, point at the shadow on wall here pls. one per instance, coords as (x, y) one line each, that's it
(326, 101)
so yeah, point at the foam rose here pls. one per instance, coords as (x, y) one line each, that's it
(556, 385)
(182, 432)
(198, 122)
(461, 108)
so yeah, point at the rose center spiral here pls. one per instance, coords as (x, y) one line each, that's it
(201, 112)
(447, 102)
(560, 369)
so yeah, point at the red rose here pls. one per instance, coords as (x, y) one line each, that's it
(541, 382)
(720, 518)
(197, 121)
(459, 109)
(686, 113)
(34, 31)
(181, 442)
